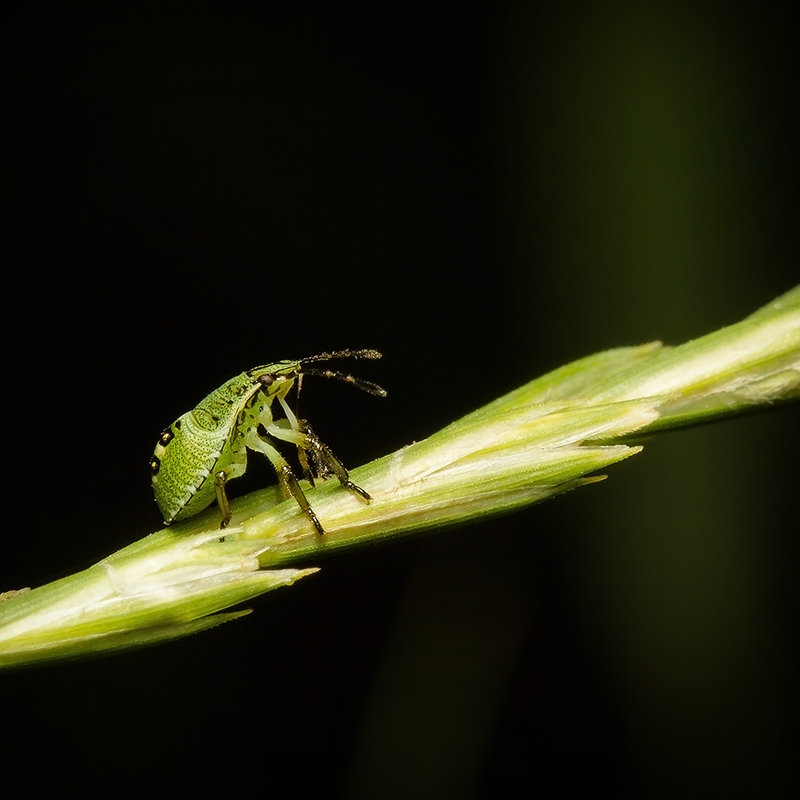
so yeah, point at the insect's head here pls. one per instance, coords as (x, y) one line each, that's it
(276, 378)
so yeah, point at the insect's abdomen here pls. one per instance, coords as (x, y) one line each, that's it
(184, 482)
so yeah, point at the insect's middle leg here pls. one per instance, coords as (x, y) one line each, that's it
(286, 477)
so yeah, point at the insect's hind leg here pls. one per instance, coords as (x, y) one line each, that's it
(286, 477)
(323, 458)
(236, 468)
(220, 479)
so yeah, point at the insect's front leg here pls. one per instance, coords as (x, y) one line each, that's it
(307, 441)
(295, 424)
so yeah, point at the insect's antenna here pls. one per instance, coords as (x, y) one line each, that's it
(366, 353)
(359, 383)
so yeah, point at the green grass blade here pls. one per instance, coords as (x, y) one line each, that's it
(554, 434)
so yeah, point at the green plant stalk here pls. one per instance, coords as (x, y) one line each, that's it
(550, 435)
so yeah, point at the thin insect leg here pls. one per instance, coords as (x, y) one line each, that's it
(283, 430)
(290, 415)
(295, 425)
(222, 498)
(286, 477)
(236, 468)
(306, 440)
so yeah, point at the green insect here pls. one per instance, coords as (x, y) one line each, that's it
(202, 450)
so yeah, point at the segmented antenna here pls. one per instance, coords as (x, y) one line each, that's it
(359, 383)
(365, 353)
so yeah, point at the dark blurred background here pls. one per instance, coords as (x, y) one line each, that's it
(483, 193)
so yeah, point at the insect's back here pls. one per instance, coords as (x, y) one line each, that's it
(195, 447)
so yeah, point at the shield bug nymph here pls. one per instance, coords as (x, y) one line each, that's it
(206, 447)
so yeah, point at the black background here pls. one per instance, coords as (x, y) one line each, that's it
(483, 193)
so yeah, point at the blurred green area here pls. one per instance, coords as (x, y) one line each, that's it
(640, 169)
(645, 156)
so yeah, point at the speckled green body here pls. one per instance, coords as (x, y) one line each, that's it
(210, 438)
(207, 446)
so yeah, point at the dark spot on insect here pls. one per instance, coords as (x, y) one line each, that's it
(166, 436)
(177, 424)
(155, 464)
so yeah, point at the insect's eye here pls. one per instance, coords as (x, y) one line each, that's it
(166, 437)
(267, 379)
(155, 464)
